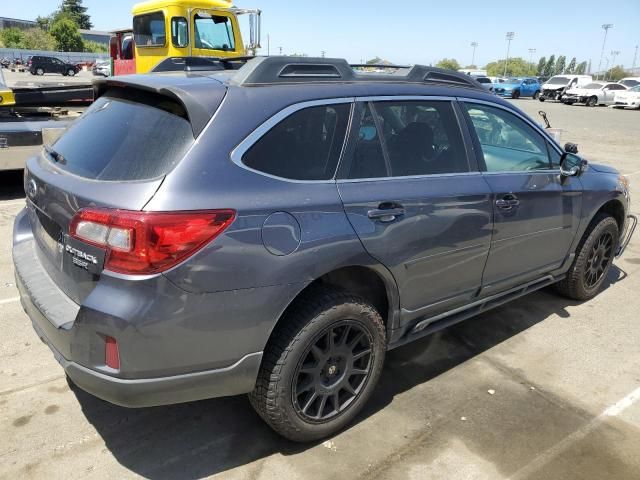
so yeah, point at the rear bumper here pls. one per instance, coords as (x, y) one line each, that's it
(174, 346)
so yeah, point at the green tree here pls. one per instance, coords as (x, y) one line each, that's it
(541, 63)
(38, 39)
(471, 67)
(374, 61)
(572, 66)
(67, 36)
(616, 73)
(449, 64)
(516, 67)
(581, 68)
(549, 68)
(12, 37)
(95, 47)
(43, 22)
(77, 12)
(560, 64)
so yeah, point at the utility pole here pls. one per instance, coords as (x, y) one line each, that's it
(606, 27)
(614, 54)
(531, 52)
(635, 57)
(280, 48)
(268, 45)
(322, 53)
(473, 55)
(510, 36)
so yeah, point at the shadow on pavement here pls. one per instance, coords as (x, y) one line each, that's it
(11, 185)
(199, 439)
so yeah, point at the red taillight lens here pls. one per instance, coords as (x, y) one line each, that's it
(148, 242)
(111, 353)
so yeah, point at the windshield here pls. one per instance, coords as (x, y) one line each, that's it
(635, 89)
(121, 139)
(513, 80)
(558, 81)
(593, 86)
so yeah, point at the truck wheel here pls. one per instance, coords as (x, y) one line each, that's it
(515, 94)
(320, 365)
(39, 71)
(594, 257)
(592, 101)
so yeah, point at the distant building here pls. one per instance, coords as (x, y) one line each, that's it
(96, 36)
(16, 23)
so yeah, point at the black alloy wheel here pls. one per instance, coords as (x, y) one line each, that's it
(332, 372)
(598, 259)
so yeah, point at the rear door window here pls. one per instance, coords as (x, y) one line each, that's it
(304, 146)
(119, 138)
(408, 138)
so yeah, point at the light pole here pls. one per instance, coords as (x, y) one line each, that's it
(268, 45)
(614, 54)
(531, 52)
(510, 36)
(323, 53)
(606, 27)
(280, 48)
(473, 55)
(635, 57)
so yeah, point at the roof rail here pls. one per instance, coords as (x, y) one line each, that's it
(282, 70)
(199, 64)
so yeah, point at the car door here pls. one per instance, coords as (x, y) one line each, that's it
(536, 211)
(611, 89)
(416, 200)
(525, 88)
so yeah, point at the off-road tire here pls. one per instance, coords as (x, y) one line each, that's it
(574, 284)
(303, 323)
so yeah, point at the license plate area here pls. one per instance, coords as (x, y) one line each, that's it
(80, 257)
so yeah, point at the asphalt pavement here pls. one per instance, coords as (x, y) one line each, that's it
(542, 388)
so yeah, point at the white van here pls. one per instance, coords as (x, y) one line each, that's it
(554, 88)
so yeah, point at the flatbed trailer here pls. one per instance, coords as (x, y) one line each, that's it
(32, 116)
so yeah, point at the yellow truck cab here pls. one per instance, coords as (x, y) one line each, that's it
(186, 28)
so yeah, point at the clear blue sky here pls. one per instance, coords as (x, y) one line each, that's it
(417, 31)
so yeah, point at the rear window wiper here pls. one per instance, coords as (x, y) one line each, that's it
(57, 157)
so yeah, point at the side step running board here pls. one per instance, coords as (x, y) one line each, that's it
(438, 322)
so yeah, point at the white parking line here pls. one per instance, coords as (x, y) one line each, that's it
(545, 457)
(9, 300)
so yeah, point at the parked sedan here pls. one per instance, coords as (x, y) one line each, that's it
(518, 87)
(628, 98)
(592, 94)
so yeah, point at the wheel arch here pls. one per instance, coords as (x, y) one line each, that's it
(374, 283)
(615, 208)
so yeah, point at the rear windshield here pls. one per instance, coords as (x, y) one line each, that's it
(120, 139)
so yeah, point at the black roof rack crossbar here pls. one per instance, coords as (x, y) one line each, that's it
(284, 70)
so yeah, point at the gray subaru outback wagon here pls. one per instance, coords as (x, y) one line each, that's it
(274, 227)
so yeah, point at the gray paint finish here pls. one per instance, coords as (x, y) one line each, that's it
(450, 248)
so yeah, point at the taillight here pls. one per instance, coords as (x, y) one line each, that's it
(141, 243)
(111, 353)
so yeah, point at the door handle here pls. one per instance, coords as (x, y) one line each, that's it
(386, 215)
(508, 202)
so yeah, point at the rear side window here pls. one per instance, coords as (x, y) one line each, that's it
(149, 30)
(120, 139)
(304, 146)
(408, 138)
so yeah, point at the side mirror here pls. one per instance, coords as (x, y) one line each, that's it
(571, 165)
(571, 147)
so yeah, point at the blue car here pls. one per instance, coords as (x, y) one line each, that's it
(518, 87)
